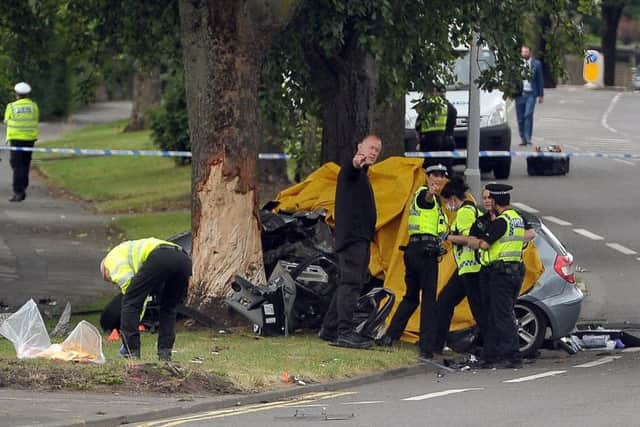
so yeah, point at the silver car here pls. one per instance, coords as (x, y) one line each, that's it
(550, 309)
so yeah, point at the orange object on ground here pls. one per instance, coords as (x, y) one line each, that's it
(114, 335)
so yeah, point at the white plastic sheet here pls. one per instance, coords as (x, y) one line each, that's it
(26, 330)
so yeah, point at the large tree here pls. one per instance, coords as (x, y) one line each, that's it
(611, 12)
(224, 43)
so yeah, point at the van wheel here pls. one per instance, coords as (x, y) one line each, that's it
(502, 169)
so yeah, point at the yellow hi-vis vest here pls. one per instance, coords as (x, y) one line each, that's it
(440, 122)
(509, 247)
(21, 118)
(465, 257)
(427, 221)
(124, 261)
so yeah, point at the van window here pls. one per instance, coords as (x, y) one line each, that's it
(461, 68)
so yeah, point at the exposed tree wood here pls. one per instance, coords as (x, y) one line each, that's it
(146, 95)
(224, 42)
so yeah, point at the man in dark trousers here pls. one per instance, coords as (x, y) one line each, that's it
(355, 217)
(501, 257)
(532, 90)
(427, 226)
(142, 267)
(21, 118)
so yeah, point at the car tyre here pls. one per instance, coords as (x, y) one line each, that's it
(532, 326)
(502, 168)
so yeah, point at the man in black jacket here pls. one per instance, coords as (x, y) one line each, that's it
(355, 212)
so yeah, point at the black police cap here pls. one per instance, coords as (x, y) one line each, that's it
(497, 189)
(439, 168)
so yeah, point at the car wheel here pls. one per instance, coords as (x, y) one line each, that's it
(532, 325)
(502, 169)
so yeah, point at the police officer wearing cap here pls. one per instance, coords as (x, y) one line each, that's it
(21, 119)
(501, 256)
(427, 223)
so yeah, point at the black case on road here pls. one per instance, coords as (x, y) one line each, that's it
(548, 165)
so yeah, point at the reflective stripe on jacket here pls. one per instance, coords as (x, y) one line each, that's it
(465, 257)
(509, 247)
(21, 118)
(426, 221)
(124, 261)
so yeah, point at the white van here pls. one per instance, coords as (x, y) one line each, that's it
(495, 132)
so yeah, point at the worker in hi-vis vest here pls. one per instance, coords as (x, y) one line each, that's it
(140, 268)
(21, 119)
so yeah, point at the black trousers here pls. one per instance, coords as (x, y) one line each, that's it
(110, 317)
(453, 293)
(501, 341)
(165, 273)
(421, 277)
(353, 265)
(20, 162)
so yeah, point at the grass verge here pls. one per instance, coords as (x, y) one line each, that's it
(205, 361)
(150, 196)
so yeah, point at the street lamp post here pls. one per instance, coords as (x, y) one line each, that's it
(472, 172)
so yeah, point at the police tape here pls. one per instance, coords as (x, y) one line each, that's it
(99, 152)
(462, 154)
(457, 154)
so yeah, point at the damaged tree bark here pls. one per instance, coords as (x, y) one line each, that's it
(224, 42)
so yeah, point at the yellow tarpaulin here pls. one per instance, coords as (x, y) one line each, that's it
(394, 182)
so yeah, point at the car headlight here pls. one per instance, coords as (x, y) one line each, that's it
(497, 117)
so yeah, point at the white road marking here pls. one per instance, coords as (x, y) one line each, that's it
(605, 116)
(631, 350)
(556, 220)
(366, 402)
(443, 393)
(609, 139)
(524, 207)
(587, 233)
(535, 377)
(618, 247)
(598, 362)
(626, 162)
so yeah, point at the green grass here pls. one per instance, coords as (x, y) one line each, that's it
(251, 363)
(140, 187)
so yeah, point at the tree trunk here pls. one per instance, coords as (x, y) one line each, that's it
(388, 124)
(146, 95)
(544, 27)
(348, 98)
(224, 42)
(611, 14)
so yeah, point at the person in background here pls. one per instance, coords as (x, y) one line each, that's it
(437, 134)
(427, 226)
(21, 118)
(355, 224)
(140, 268)
(532, 90)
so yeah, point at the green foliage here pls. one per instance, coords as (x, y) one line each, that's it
(169, 123)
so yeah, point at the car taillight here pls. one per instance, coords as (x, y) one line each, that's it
(564, 267)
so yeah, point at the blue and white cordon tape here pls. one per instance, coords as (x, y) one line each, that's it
(98, 152)
(458, 154)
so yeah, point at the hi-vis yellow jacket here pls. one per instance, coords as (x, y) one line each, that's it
(124, 261)
(21, 118)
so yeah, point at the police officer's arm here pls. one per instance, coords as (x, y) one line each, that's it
(425, 200)
(529, 231)
(495, 232)
(464, 221)
(7, 113)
